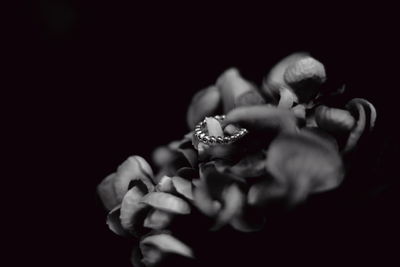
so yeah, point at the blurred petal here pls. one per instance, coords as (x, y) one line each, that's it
(262, 118)
(183, 187)
(334, 120)
(204, 103)
(133, 211)
(158, 219)
(165, 243)
(189, 152)
(163, 156)
(166, 202)
(252, 165)
(265, 192)
(249, 220)
(203, 200)
(233, 200)
(106, 192)
(287, 98)
(114, 223)
(136, 257)
(236, 91)
(134, 168)
(304, 163)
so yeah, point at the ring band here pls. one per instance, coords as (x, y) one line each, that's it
(203, 137)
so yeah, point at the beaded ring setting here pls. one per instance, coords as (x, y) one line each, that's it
(203, 137)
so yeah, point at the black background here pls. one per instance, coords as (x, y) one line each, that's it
(97, 82)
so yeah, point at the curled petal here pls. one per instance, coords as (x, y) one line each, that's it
(153, 247)
(304, 163)
(233, 201)
(203, 200)
(304, 76)
(369, 109)
(114, 223)
(361, 109)
(183, 187)
(166, 202)
(158, 219)
(287, 98)
(106, 192)
(263, 118)
(134, 168)
(236, 91)
(333, 119)
(204, 103)
(275, 77)
(133, 211)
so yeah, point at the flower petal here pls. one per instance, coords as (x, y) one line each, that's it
(134, 168)
(114, 223)
(235, 90)
(158, 219)
(361, 110)
(133, 211)
(163, 156)
(232, 203)
(183, 187)
(305, 76)
(262, 118)
(304, 163)
(166, 202)
(106, 192)
(205, 103)
(334, 120)
(214, 127)
(165, 184)
(203, 200)
(164, 243)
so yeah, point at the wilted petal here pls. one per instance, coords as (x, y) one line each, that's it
(263, 118)
(134, 168)
(236, 91)
(304, 163)
(158, 219)
(133, 211)
(106, 192)
(166, 202)
(154, 247)
(204, 103)
(114, 223)
(183, 186)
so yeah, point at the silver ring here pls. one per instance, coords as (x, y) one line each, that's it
(202, 136)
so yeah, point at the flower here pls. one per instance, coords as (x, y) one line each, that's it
(294, 148)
